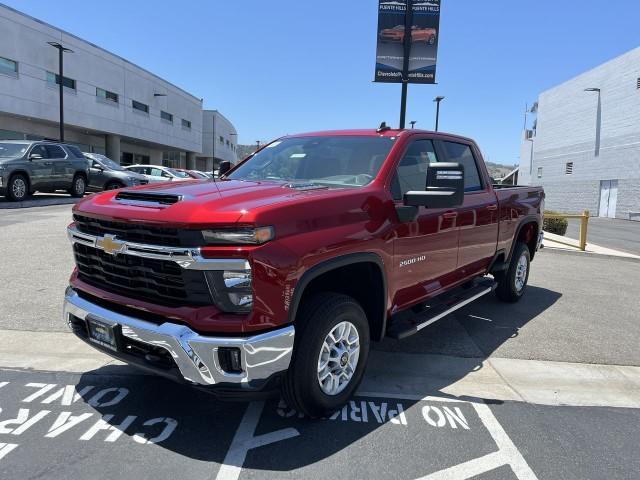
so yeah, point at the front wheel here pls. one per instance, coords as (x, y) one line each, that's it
(513, 282)
(330, 354)
(18, 188)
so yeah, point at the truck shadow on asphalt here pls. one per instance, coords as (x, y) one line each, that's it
(206, 426)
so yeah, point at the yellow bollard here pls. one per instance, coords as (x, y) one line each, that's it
(584, 220)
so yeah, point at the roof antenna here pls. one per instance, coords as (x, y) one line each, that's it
(383, 127)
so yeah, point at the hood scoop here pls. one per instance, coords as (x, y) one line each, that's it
(305, 186)
(148, 199)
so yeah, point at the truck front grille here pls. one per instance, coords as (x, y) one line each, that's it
(157, 281)
(139, 233)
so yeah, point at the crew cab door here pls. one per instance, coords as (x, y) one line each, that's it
(478, 216)
(425, 247)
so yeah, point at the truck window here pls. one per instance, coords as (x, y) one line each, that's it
(411, 173)
(461, 153)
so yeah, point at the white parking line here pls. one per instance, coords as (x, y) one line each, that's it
(243, 441)
(507, 453)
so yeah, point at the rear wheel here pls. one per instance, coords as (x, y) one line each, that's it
(332, 346)
(18, 188)
(78, 186)
(513, 282)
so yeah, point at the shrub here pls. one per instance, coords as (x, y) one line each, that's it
(554, 225)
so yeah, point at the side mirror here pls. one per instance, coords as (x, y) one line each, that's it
(444, 189)
(97, 166)
(224, 168)
(35, 156)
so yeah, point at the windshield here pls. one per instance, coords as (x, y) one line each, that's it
(8, 150)
(178, 173)
(340, 161)
(107, 162)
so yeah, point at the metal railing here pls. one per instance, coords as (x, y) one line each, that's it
(584, 221)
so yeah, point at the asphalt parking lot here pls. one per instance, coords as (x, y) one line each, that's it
(97, 426)
(101, 422)
(609, 232)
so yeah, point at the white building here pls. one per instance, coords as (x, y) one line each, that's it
(585, 148)
(219, 139)
(111, 105)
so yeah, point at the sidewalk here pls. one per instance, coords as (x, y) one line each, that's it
(558, 242)
(418, 375)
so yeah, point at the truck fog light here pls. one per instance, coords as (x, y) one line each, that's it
(241, 300)
(231, 290)
(229, 358)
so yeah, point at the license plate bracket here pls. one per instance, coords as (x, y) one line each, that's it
(102, 333)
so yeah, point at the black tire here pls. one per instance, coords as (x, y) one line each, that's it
(78, 186)
(316, 318)
(18, 188)
(113, 185)
(510, 289)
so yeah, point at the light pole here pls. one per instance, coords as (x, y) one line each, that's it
(438, 99)
(412, 122)
(61, 51)
(257, 145)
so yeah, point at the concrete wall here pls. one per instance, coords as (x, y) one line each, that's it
(225, 149)
(24, 39)
(598, 132)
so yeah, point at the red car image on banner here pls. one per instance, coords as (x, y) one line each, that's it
(396, 34)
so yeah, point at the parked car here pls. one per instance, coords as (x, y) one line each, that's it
(194, 173)
(105, 174)
(157, 173)
(28, 166)
(282, 272)
(396, 34)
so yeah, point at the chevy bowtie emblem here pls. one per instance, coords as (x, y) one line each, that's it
(110, 245)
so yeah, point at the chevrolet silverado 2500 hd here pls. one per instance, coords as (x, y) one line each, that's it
(280, 274)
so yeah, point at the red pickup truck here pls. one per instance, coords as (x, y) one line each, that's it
(279, 274)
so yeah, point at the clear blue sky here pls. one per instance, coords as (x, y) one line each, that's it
(288, 66)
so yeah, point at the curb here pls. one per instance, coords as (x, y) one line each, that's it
(38, 203)
(563, 251)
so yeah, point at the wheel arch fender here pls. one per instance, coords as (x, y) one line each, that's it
(377, 309)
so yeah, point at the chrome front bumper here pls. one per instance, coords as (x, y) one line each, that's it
(196, 356)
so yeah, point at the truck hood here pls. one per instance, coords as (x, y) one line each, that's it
(193, 203)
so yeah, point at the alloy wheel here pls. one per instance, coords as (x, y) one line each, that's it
(338, 358)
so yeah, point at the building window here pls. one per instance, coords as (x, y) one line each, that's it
(141, 107)
(227, 142)
(186, 124)
(53, 79)
(106, 95)
(221, 140)
(8, 67)
(539, 172)
(638, 83)
(568, 168)
(167, 117)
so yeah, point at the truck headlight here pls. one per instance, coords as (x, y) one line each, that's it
(245, 236)
(231, 290)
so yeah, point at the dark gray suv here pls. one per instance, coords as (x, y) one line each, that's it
(28, 166)
(105, 174)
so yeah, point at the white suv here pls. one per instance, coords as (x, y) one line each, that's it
(157, 173)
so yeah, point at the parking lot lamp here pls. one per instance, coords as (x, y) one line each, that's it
(61, 51)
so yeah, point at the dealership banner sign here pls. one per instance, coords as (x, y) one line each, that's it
(423, 33)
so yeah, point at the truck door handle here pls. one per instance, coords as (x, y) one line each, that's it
(450, 215)
(492, 207)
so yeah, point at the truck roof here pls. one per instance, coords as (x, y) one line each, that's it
(372, 132)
